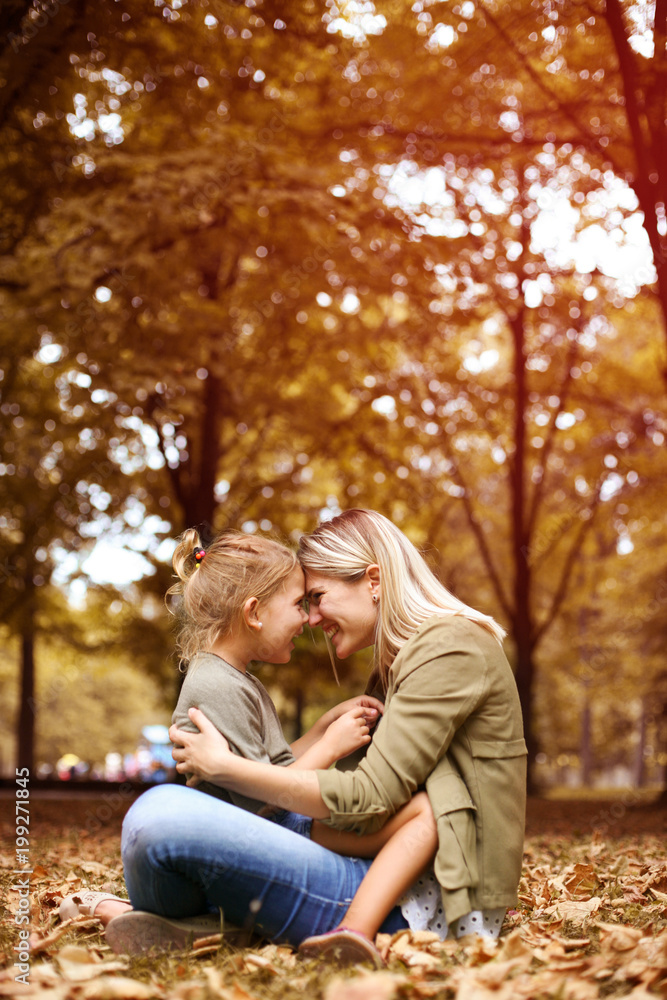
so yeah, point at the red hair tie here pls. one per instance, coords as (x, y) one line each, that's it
(199, 556)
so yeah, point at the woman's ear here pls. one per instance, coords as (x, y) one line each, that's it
(373, 577)
(250, 614)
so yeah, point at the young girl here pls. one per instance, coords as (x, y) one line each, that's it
(242, 599)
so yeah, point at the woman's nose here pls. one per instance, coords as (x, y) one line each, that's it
(314, 616)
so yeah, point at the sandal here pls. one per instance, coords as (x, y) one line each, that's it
(85, 903)
(342, 945)
(137, 931)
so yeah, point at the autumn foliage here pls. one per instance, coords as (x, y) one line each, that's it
(591, 923)
(261, 261)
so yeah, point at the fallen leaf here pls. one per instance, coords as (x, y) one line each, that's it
(424, 937)
(214, 982)
(374, 986)
(188, 991)
(550, 983)
(582, 881)
(118, 988)
(633, 895)
(618, 937)
(573, 909)
(237, 993)
(479, 950)
(298, 983)
(514, 947)
(206, 944)
(470, 987)
(90, 866)
(260, 962)
(80, 964)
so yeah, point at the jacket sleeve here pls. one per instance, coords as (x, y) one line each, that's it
(438, 682)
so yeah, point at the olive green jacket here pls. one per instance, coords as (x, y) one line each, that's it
(453, 723)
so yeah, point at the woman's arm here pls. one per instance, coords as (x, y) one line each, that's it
(441, 679)
(450, 675)
(438, 681)
(206, 754)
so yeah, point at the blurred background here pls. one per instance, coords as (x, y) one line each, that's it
(261, 262)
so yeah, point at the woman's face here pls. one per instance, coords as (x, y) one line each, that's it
(345, 611)
(282, 616)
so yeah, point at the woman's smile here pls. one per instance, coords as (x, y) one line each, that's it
(344, 610)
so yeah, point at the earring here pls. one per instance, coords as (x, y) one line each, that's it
(259, 624)
(375, 598)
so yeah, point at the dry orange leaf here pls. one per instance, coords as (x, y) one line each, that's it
(81, 964)
(375, 986)
(118, 988)
(618, 937)
(575, 909)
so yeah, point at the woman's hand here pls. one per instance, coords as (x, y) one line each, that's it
(201, 755)
(206, 757)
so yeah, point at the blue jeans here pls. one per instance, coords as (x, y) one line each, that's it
(186, 852)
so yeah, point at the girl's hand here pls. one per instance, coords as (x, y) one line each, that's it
(374, 709)
(348, 732)
(201, 755)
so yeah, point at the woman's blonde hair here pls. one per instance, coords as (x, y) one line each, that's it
(215, 586)
(346, 545)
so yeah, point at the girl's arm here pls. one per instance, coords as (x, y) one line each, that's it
(374, 709)
(347, 734)
(207, 756)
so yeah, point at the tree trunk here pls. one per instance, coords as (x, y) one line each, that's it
(525, 673)
(202, 492)
(640, 760)
(645, 108)
(661, 740)
(519, 519)
(523, 625)
(585, 747)
(26, 727)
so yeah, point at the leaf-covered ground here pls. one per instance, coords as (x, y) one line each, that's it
(592, 922)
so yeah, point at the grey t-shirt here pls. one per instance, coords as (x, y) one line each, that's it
(240, 707)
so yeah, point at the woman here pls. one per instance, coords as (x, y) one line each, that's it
(452, 722)
(452, 719)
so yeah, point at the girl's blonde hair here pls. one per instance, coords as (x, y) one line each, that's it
(215, 587)
(346, 545)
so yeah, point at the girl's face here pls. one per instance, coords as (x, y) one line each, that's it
(345, 611)
(282, 616)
